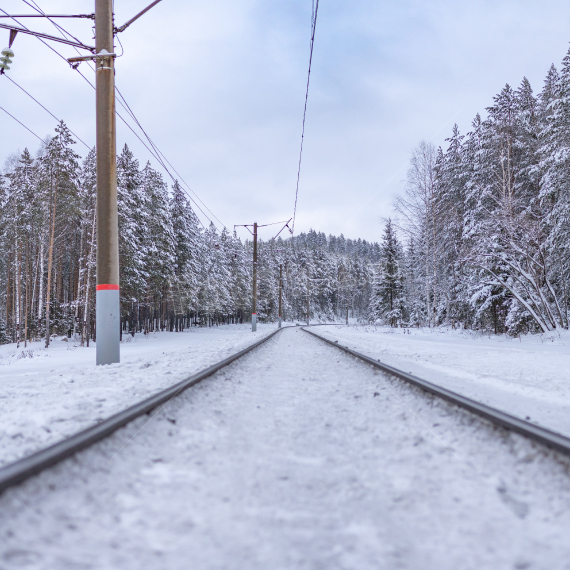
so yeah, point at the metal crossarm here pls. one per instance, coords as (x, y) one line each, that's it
(48, 37)
(89, 16)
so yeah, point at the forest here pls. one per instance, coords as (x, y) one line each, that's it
(175, 272)
(480, 235)
(479, 240)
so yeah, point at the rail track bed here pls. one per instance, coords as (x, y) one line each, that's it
(297, 456)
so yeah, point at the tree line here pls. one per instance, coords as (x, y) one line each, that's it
(174, 272)
(481, 233)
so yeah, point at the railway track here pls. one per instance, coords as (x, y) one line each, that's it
(24, 468)
(33, 464)
(539, 434)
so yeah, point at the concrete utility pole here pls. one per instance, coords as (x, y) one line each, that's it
(280, 292)
(107, 308)
(254, 300)
(308, 301)
(108, 301)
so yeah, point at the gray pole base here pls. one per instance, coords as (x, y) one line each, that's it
(253, 322)
(307, 322)
(279, 323)
(108, 327)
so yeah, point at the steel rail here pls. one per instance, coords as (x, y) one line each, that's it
(26, 467)
(31, 465)
(539, 434)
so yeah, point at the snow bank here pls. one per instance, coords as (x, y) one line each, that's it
(528, 377)
(48, 394)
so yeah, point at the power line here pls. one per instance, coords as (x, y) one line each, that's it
(41, 40)
(55, 51)
(313, 29)
(22, 124)
(189, 188)
(157, 153)
(38, 9)
(44, 108)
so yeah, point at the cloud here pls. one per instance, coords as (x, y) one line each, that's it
(220, 88)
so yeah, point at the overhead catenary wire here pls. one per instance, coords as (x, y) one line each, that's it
(273, 223)
(155, 153)
(38, 9)
(123, 102)
(313, 30)
(44, 108)
(159, 154)
(30, 130)
(56, 52)
(63, 32)
(26, 28)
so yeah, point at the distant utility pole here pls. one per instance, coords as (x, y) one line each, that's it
(254, 298)
(308, 305)
(254, 234)
(280, 292)
(254, 292)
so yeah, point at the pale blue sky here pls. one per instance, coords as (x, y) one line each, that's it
(220, 87)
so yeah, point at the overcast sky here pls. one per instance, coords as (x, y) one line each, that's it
(220, 86)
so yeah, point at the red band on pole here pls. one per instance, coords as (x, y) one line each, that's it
(107, 287)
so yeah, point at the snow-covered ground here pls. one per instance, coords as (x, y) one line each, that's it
(297, 457)
(47, 394)
(527, 377)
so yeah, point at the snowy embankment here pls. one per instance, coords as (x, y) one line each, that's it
(527, 377)
(48, 394)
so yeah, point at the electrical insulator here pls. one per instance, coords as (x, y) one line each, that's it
(7, 53)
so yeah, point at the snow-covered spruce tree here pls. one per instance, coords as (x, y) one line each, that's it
(241, 279)
(159, 243)
(134, 210)
(512, 246)
(188, 251)
(452, 307)
(387, 301)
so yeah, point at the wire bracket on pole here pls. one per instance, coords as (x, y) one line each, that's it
(127, 24)
(103, 54)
